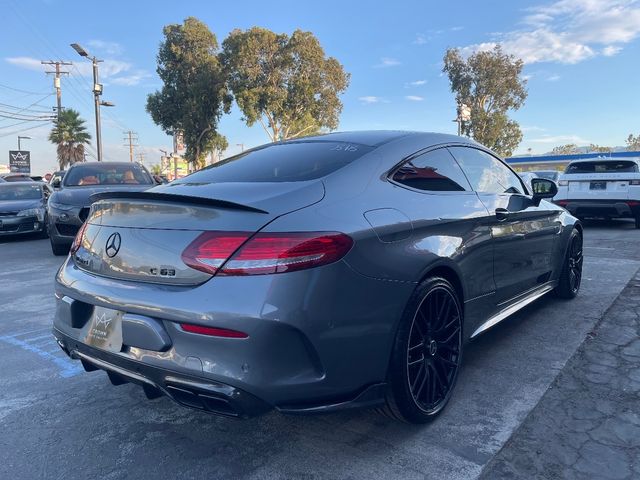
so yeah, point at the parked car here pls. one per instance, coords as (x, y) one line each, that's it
(69, 206)
(550, 174)
(330, 272)
(602, 187)
(16, 177)
(23, 208)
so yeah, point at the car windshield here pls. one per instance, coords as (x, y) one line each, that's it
(603, 167)
(288, 162)
(20, 191)
(106, 174)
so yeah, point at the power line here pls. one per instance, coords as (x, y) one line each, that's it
(20, 131)
(21, 91)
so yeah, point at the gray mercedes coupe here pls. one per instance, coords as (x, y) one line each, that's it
(312, 275)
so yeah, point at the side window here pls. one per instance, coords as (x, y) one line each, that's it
(486, 173)
(435, 171)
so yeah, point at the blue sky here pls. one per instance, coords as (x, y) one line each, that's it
(582, 64)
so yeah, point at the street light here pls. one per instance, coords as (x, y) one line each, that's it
(22, 138)
(241, 145)
(97, 91)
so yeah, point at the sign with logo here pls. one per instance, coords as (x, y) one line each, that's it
(19, 161)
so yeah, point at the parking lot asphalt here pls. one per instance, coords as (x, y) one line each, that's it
(58, 422)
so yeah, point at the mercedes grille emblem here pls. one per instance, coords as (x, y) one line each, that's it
(113, 245)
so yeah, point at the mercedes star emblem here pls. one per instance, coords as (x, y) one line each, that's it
(113, 245)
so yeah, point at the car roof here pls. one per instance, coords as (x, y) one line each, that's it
(377, 138)
(101, 163)
(606, 159)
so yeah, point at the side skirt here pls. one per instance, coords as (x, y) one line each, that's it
(512, 308)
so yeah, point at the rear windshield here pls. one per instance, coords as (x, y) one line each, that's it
(20, 191)
(288, 162)
(91, 174)
(602, 167)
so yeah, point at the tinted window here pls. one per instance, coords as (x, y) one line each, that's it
(486, 173)
(91, 174)
(20, 191)
(288, 162)
(435, 171)
(602, 167)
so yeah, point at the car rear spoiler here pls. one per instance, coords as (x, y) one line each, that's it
(170, 197)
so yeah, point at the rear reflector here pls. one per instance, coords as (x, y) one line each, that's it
(634, 182)
(563, 183)
(212, 331)
(239, 253)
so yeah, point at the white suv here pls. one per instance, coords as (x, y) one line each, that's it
(601, 187)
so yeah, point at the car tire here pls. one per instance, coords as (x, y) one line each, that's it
(571, 275)
(60, 249)
(427, 353)
(637, 219)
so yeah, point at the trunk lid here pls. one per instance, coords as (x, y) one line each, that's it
(140, 236)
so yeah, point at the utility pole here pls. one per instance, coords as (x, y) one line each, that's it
(56, 81)
(130, 138)
(141, 157)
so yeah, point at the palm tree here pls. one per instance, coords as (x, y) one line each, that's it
(70, 135)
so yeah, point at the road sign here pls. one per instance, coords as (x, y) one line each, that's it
(20, 161)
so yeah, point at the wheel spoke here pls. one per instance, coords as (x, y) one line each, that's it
(415, 380)
(419, 345)
(453, 334)
(446, 361)
(414, 362)
(424, 380)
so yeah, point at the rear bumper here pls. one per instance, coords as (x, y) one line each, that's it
(189, 391)
(17, 225)
(64, 224)
(318, 340)
(601, 208)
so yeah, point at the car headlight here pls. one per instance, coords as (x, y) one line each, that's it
(32, 212)
(60, 206)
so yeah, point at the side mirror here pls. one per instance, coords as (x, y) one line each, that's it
(543, 188)
(56, 183)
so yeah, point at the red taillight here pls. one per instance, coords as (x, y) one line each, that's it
(286, 252)
(562, 203)
(211, 249)
(237, 254)
(78, 240)
(212, 331)
(633, 203)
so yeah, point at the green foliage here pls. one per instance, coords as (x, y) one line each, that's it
(156, 169)
(285, 83)
(598, 149)
(70, 135)
(633, 142)
(567, 149)
(194, 94)
(489, 82)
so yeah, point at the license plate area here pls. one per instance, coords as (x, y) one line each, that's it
(104, 330)
(598, 186)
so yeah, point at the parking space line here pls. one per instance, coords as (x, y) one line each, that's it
(67, 368)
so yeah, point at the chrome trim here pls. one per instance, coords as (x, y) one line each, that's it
(513, 308)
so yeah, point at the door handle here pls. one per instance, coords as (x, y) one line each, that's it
(502, 214)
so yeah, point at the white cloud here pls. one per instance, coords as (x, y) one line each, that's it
(111, 70)
(414, 98)
(420, 39)
(456, 29)
(417, 83)
(570, 31)
(553, 78)
(532, 128)
(560, 139)
(131, 80)
(25, 62)
(386, 62)
(110, 48)
(611, 50)
(370, 99)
